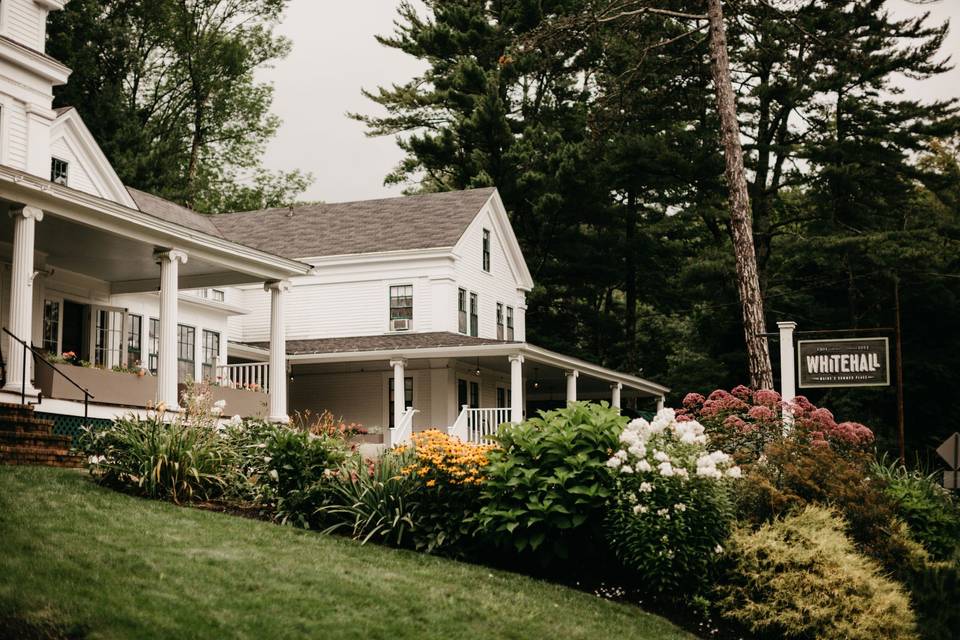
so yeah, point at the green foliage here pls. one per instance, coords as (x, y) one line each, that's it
(548, 482)
(930, 510)
(158, 459)
(934, 586)
(170, 93)
(801, 577)
(373, 501)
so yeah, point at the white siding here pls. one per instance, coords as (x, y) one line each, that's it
(327, 310)
(25, 22)
(499, 285)
(15, 133)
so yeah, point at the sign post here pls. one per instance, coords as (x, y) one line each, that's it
(788, 386)
(950, 451)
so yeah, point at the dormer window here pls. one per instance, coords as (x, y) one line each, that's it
(486, 250)
(58, 171)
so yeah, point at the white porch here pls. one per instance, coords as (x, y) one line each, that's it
(79, 269)
(468, 389)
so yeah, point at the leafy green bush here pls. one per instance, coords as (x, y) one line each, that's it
(934, 585)
(801, 577)
(277, 466)
(158, 459)
(548, 482)
(372, 501)
(671, 512)
(930, 510)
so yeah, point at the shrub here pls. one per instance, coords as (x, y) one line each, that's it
(931, 511)
(158, 459)
(449, 474)
(800, 577)
(325, 424)
(548, 481)
(671, 513)
(373, 500)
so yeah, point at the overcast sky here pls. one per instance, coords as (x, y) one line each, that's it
(335, 55)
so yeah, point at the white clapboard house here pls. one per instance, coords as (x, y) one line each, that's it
(398, 314)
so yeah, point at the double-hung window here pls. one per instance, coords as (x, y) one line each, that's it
(486, 250)
(462, 310)
(474, 315)
(211, 353)
(153, 346)
(134, 341)
(499, 321)
(407, 394)
(509, 323)
(186, 352)
(401, 305)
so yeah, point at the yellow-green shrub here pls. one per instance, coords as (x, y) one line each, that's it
(801, 577)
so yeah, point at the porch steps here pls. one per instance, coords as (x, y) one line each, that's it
(26, 438)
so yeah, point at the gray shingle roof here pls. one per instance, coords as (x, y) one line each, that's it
(172, 212)
(389, 342)
(393, 224)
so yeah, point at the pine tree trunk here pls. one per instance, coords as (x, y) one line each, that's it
(741, 225)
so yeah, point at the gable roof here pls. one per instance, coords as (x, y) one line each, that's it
(426, 221)
(173, 212)
(69, 127)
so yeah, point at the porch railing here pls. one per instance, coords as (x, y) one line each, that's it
(251, 375)
(475, 425)
(401, 432)
(38, 356)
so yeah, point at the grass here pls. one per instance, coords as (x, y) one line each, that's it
(81, 561)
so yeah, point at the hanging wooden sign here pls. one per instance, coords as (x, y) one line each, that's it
(847, 362)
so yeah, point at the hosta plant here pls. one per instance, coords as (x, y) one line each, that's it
(670, 514)
(547, 481)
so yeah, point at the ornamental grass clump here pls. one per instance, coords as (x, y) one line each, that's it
(449, 473)
(801, 577)
(671, 514)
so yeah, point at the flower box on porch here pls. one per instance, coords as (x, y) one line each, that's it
(240, 402)
(106, 387)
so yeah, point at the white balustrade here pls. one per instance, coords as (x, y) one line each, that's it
(400, 433)
(475, 425)
(251, 375)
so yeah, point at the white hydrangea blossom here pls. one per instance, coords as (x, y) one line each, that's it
(668, 448)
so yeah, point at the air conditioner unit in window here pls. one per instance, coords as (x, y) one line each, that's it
(398, 324)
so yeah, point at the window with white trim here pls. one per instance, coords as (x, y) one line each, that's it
(462, 310)
(153, 346)
(211, 353)
(407, 394)
(134, 341)
(486, 250)
(499, 321)
(51, 326)
(186, 352)
(401, 304)
(510, 323)
(58, 171)
(474, 315)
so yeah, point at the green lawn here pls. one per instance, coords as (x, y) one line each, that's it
(87, 562)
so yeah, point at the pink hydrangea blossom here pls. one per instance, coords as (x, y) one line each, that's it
(761, 413)
(767, 398)
(692, 400)
(735, 422)
(742, 392)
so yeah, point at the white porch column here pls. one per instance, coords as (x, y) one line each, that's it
(277, 409)
(660, 402)
(788, 370)
(572, 385)
(615, 389)
(20, 321)
(169, 261)
(516, 388)
(399, 390)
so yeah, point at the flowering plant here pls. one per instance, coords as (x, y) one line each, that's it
(326, 424)
(671, 512)
(743, 422)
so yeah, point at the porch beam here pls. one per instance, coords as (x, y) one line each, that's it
(277, 408)
(516, 388)
(169, 261)
(20, 321)
(199, 281)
